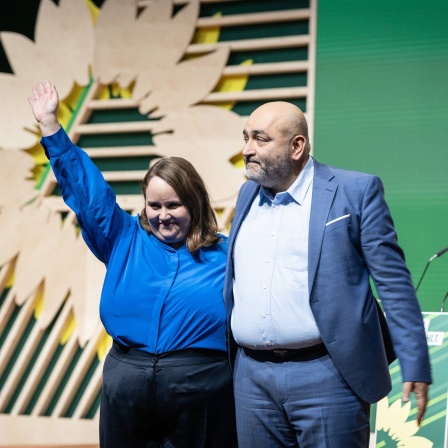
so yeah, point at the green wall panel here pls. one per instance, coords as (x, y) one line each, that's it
(381, 107)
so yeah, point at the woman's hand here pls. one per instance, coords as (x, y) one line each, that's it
(44, 104)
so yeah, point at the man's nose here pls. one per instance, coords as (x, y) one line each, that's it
(248, 149)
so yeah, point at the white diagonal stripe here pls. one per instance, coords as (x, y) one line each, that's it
(337, 219)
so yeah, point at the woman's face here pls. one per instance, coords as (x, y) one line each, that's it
(168, 218)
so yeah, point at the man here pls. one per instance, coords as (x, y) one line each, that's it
(312, 345)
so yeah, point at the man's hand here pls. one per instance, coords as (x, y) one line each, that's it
(421, 395)
(44, 104)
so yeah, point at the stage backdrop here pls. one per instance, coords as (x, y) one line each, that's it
(380, 107)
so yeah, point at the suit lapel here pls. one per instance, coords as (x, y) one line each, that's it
(324, 189)
(245, 198)
(242, 209)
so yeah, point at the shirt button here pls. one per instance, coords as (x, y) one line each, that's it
(264, 315)
(268, 260)
(264, 286)
(269, 342)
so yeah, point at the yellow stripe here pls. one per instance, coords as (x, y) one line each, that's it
(103, 346)
(69, 329)
(433, 418)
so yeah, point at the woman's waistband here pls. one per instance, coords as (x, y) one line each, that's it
(189, 355)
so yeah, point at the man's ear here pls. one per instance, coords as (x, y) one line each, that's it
(298, 145)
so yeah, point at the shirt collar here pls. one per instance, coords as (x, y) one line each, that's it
(296, 192)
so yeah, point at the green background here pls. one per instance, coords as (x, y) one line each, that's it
(381, 107)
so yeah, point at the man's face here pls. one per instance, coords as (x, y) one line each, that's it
(267, 153)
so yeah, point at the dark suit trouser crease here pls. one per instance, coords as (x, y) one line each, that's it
(178, 399)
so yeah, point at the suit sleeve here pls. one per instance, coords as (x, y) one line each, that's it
(387, 267)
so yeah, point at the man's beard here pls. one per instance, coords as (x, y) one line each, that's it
(272, 173)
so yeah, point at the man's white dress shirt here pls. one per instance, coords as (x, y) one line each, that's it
(271, 308)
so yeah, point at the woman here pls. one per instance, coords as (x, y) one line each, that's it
(166, 379)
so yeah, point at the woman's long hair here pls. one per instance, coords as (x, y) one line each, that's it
(181, 175)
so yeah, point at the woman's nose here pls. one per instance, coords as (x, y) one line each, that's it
(164, 214)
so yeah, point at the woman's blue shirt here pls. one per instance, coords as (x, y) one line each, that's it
(154, 297)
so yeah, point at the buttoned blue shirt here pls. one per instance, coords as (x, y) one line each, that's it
(271, 294)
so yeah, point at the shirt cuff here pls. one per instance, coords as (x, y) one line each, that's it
(56, 144)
